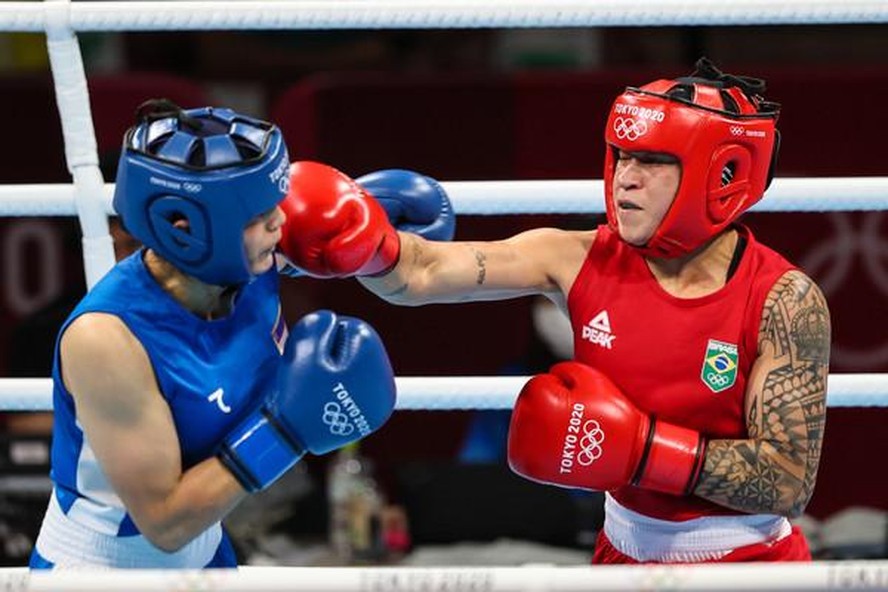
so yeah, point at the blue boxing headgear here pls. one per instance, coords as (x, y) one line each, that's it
(212, 167)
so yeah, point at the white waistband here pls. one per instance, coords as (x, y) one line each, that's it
(69, 544)
(700, 539)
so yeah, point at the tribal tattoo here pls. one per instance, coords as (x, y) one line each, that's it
(775, 469)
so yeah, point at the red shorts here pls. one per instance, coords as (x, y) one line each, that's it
(793, 547)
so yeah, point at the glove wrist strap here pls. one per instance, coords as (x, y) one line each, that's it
(257, 453)
(386, 257)
(672, 459)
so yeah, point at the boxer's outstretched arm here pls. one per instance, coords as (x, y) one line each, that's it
(540, 261)
(775, 469)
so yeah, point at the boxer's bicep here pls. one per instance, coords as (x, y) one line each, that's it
(120, 409)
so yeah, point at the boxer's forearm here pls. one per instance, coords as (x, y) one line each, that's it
(753, 476)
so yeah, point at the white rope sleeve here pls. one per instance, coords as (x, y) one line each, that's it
(439, 393)
(826, 575)
(81, 153)
(573, 196)
(496, 198)
(436, 14)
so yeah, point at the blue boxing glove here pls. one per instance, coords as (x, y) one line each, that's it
(413, 202)
(335, 386)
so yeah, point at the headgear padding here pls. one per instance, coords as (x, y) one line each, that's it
(212, 167)
(723, 134)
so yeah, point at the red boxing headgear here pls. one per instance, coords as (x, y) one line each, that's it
(721, 131)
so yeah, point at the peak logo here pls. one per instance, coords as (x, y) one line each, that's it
(598, 331)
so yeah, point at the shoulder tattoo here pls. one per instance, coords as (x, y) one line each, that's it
(795, 320)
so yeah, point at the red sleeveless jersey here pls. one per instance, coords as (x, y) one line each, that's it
(685, 360)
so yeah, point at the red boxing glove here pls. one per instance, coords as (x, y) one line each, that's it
(574, 428)
(334, 228)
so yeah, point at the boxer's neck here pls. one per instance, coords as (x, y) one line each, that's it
(701, 272)
(204, 300)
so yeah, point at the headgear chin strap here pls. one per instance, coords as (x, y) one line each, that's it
(213, 168)
(722, 132)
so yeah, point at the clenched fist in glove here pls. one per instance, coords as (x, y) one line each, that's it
(574, 428)
(335, 386)
(334, 228)
(339, 227)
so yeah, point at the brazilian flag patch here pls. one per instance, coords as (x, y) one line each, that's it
(719, 365)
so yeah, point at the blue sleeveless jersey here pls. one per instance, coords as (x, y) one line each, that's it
(211, 373)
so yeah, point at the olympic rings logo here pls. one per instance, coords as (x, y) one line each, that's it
(628, 128)
(192, 187)
(337, 420)
(718, 380)
(590, 443)
(833, 260)
(736, 130)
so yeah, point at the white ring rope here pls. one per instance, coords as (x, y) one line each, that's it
(431, 14)
(825, 575)
(494, 198)
(439, 393)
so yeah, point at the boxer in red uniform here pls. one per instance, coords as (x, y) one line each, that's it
(696, 398)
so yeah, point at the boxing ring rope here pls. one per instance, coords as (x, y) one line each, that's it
(826, 575)
(418, 14)
(497, 198)
(440, 393)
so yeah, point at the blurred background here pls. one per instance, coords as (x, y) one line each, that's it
(484, 104)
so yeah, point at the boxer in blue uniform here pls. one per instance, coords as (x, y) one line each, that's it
(177, 387)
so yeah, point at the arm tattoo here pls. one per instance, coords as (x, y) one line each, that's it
(480, 259)
(775, 469)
